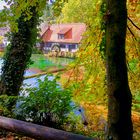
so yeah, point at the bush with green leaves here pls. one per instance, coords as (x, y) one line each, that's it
(47, 104)
(7, 104)
(136, 101)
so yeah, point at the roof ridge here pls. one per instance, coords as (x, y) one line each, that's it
(68, 23)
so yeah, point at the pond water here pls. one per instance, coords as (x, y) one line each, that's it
(32, 82)
(59, 62)
(42, 62)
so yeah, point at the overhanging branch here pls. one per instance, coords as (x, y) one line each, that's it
(131, 32)
(133, 23)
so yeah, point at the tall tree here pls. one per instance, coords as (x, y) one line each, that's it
(120, 98)
(23, 23)
(22, 40)
(18, 54)
(119, 95)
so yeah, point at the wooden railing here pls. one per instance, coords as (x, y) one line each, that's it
(37, 131)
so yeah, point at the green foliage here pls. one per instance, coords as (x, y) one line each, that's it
(57, 7)
(77, 11)
(88, 69)
(35, 50)
(136, 101)
(76, 125)
(103, 29)
(132, 65)
(7, 104)
(17, 8)
(48, 16)
(17, 56)
(46, 104)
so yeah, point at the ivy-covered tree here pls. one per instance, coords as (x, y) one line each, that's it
(23, 23)
(18, 54)
(23, 18)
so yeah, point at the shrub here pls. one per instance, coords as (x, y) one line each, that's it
(7, 104)
(48, 104)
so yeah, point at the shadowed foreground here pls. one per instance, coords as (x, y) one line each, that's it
(38, 131)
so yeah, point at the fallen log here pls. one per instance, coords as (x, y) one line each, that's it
(37, 131)
(49, 72)
(44, 73)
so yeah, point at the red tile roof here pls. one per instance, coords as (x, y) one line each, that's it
(72, 31)
(64, 30)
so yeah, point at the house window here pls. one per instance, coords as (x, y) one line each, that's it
(72, 46)
(62, 46)
(60, 36)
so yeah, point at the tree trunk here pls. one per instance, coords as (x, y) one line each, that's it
(119, 95)
(18, 54)
(37, 131)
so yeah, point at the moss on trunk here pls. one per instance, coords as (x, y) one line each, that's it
(18, 54)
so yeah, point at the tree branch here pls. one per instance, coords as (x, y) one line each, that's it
(133, 23)
(131, 32)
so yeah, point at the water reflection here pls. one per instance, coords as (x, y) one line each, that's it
(60, 61)
(42, 62)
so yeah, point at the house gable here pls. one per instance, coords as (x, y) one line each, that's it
(47, 35)
(68, 36)
(69, 33)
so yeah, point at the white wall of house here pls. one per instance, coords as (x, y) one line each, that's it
(47, 49)
(76, 48)
(66, 49)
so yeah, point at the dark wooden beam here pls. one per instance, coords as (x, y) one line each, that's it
(37, 131)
